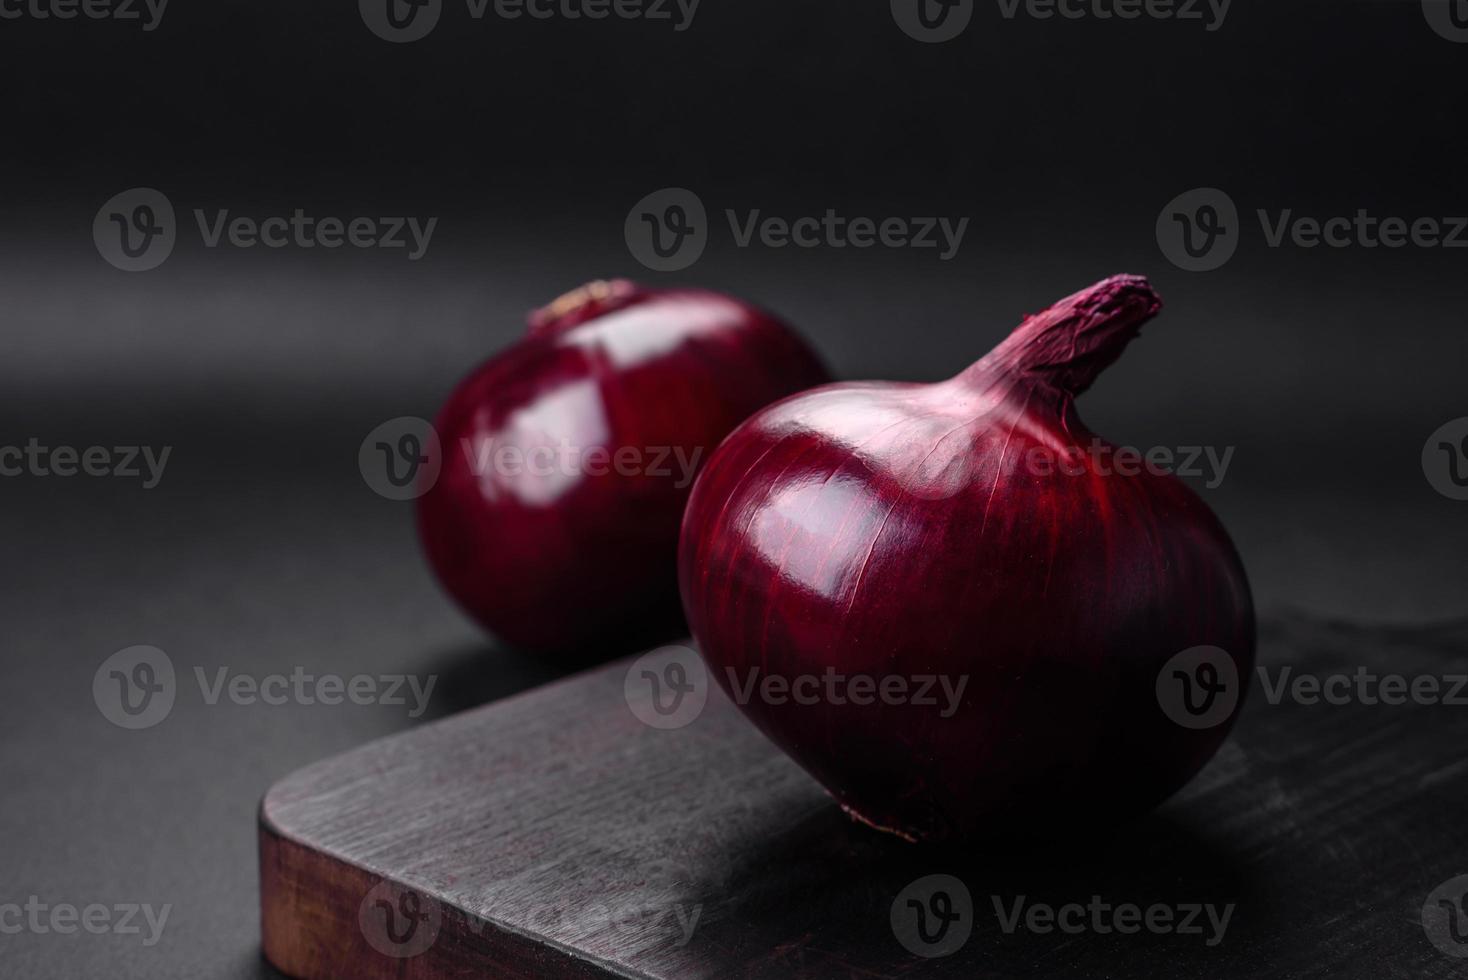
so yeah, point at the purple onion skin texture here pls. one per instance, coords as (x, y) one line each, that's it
(905, 531)
(581, 555)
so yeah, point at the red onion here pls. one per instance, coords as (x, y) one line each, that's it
(963, 532)
(568, 459)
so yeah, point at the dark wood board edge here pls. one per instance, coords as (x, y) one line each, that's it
(309, 928)
(1325, 826)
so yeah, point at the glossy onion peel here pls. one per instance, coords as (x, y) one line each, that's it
(965, 531)
(568, 458)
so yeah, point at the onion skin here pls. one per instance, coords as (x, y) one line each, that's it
(585, 556)
(888, 529)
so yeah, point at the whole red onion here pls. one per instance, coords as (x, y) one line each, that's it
(568, 458)
(965, 531)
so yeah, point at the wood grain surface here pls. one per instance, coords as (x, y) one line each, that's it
(556, 835)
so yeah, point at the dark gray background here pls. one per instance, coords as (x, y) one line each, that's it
(263, 549)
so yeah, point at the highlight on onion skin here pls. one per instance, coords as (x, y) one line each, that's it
(907, 530)
(568, 458)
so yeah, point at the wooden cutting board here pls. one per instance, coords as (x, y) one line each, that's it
(555, 835)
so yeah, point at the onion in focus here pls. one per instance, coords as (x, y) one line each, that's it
(962, 531)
